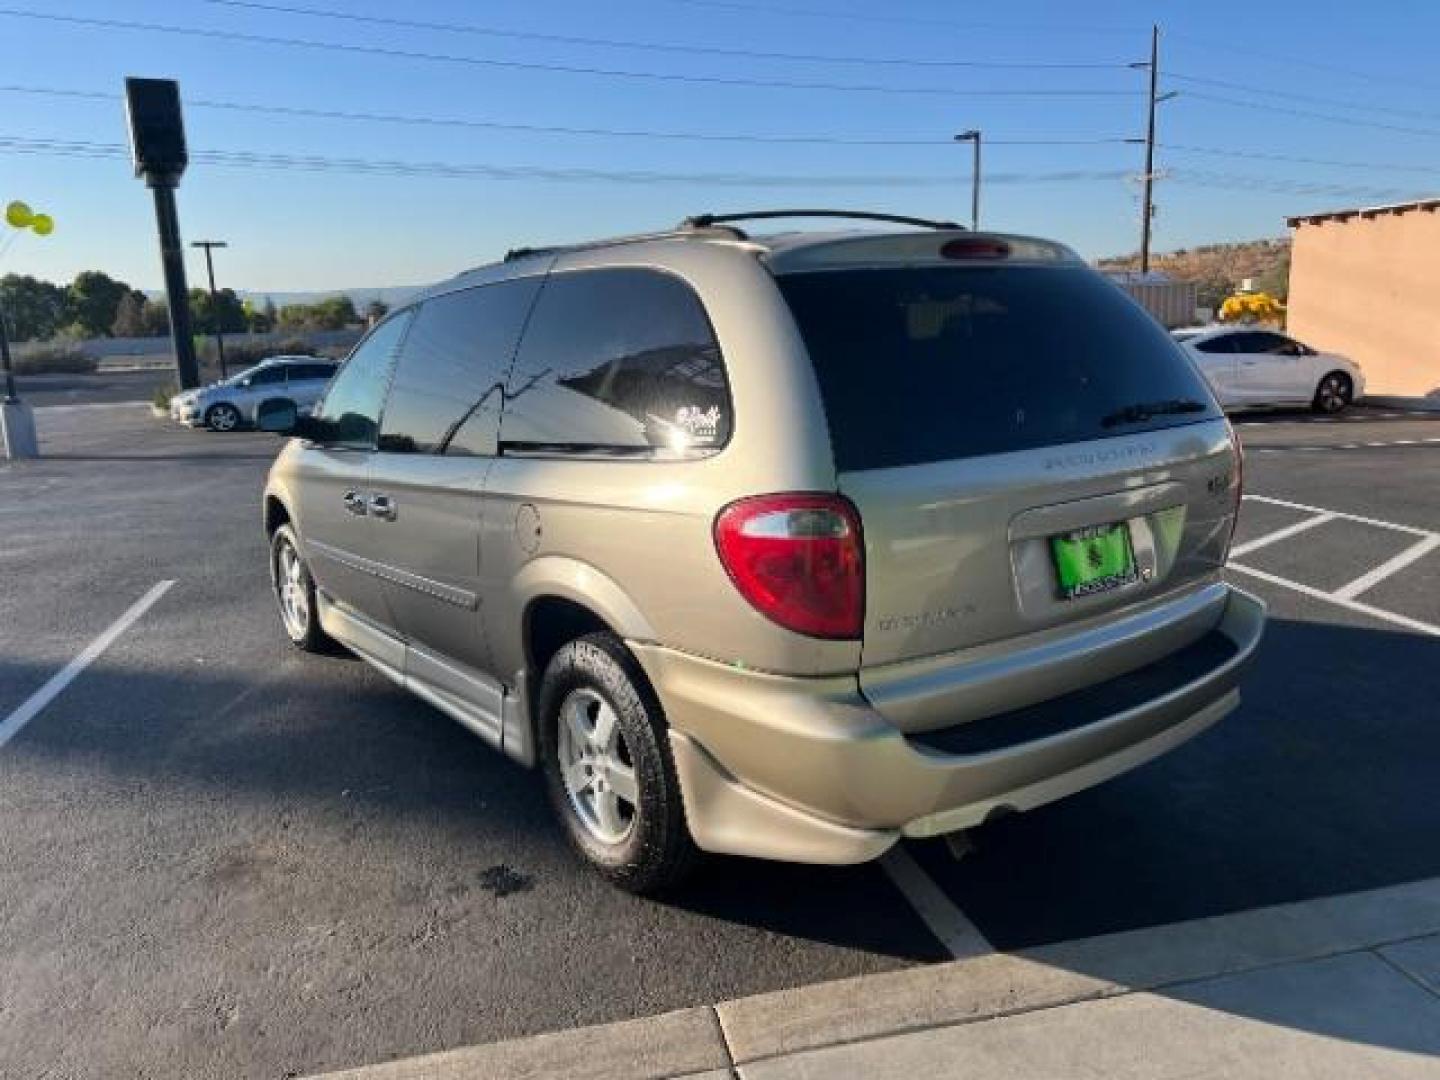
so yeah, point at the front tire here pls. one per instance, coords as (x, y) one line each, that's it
(222, 417)
(608, 769)
(1333, 394)
(295, 593)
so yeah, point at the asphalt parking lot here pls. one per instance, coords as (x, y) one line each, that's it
(221, 857)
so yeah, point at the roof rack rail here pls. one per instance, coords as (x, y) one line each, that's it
(706, 221)
(685, 229)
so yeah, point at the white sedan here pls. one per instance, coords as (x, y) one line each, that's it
(1248, 367)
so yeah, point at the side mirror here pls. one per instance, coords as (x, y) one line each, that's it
(278, 415)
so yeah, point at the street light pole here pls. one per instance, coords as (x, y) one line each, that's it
(973, 136)
(214, 308)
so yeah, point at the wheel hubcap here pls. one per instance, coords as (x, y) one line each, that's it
(290, 585)
(596, 766)
(1332, 395)
(224, 419)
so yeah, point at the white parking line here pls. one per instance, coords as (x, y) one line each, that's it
(1397, 527)
(37, 701)
(1346, 594)
(936, 910)
(1373, 577)
(1353, 605)
(1342, 446)
(1280, 534)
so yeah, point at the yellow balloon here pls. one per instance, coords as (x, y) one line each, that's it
(18, 215)
(42, 224)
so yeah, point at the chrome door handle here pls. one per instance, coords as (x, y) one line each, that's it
(354, 502)
(382, 507)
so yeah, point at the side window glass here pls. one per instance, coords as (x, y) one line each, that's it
(268, 376)
(450, 379)
(618, 360)
(1219, 344)
(350, 410)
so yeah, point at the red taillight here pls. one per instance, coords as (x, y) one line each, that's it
(798, 559)
(975, 247)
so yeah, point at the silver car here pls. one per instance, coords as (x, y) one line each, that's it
(785, 546)
(231, 403)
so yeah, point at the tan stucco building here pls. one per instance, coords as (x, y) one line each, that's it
(1367, 283)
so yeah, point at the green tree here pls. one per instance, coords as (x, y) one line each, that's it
(93, 301)
(155, 318)
(331, 313)
(130, 315)
(224, 310)
(34, 309)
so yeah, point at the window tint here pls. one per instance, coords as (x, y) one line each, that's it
(919, 365)
(1266, 342)
(449, 381)
(619, 360)
(351, 406)
(268, 376)
(1222, 344)
(309, 372)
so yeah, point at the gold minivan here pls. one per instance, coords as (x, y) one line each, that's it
(784, 545)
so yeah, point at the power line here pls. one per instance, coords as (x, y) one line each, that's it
(1306, 62)
(473, 170)
(546, 129)
(1224, 84)
(905, 20)
(568, 69)
(1256, 155)
(1310, 114)
(1282, 186)
(659, 46)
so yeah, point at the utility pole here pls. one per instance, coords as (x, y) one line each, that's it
(214, 307)
(973, 136)
(1147, 211)
(1149, 208)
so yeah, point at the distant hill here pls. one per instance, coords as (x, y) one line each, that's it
(1219, 269)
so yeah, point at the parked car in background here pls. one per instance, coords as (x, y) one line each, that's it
(231, 403)
(783, 546)
(1249, 367)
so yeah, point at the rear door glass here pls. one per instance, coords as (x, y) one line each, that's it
(929, 364)
(618, 360)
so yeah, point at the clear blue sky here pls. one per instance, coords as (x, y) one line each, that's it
(291, 229)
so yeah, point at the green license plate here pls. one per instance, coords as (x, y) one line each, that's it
(1093, 560)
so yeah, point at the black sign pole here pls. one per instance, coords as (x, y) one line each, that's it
(157, 142)
(172, 262)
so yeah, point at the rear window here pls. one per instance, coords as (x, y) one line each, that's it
(929, 364)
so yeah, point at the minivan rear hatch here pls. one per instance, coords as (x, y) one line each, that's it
(1030, 453)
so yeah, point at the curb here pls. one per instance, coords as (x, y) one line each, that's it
(709, 1042)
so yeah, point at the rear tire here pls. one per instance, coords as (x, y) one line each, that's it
(1333, 394)
(608, 770)
(295, 593)
(222, 417)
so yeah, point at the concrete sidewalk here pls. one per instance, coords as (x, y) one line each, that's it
(1340, 987)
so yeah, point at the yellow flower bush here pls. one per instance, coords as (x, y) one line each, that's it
(1251, 307)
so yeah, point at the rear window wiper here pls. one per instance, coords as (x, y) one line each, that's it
(1145, 410)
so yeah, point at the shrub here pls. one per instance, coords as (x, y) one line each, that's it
(54, 360)
(242, 354)
(163, 393)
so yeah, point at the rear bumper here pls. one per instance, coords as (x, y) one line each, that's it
(808, 770)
